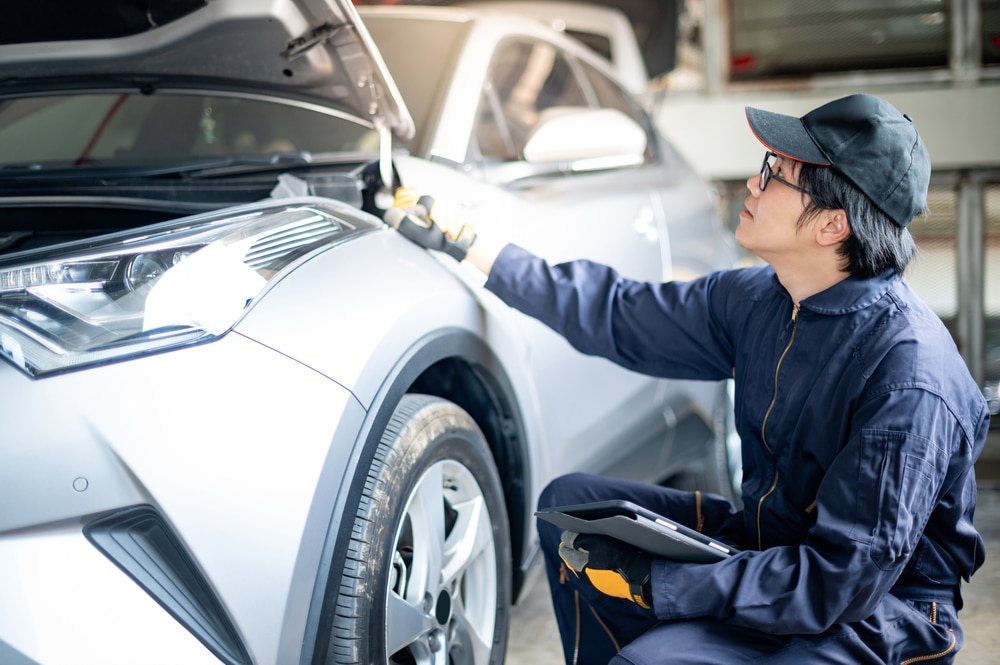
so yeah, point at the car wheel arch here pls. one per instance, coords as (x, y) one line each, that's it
(458, 366)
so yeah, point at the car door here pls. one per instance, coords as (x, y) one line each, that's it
(595, 411)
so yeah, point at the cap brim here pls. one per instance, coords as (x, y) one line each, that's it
(785, 135)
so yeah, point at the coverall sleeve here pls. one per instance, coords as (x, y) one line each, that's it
(670, 330)
(872, 507)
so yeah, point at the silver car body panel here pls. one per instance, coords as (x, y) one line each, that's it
(107, 448)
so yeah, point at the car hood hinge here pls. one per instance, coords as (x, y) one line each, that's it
(322, 33)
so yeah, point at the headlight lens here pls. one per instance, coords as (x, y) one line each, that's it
(154, 288)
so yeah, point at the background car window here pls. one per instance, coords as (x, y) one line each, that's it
(525, 79)
(804, 37)
(125, 129)
(420, 72)
(611, 95)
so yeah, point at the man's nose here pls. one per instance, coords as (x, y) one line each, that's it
(753, 184)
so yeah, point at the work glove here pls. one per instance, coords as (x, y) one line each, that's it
(418, 217)
(614, 568)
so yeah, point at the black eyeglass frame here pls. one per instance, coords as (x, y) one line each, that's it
(767, 174)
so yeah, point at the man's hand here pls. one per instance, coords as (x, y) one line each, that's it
(418, 218)
(613, 567)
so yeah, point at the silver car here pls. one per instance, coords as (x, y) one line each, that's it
(243, 420)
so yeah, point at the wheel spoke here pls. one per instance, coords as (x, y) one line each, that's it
(470, 573)
(468, 646)
(471, 534)
(409, 622)
(426, 515)
(405, 624)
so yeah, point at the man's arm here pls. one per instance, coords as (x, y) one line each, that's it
(669, 330)
(665, 330)
(483, 254)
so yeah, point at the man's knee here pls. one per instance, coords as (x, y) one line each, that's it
(564, 491)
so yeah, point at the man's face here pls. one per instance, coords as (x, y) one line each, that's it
(769, 224)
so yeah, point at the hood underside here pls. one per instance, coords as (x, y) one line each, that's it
(311, 51)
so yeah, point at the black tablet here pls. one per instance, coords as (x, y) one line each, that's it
(643, 528)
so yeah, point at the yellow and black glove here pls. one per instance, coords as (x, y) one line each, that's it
(614, 568)
(418, 218)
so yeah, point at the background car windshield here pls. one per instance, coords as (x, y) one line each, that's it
(82, 130)
(418, 72)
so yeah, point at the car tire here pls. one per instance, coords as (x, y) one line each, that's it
(718, 467)
(428, 571)
(728, 447)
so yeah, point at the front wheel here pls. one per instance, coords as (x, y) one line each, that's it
(716, 465)
(427, 579)
(728, 447)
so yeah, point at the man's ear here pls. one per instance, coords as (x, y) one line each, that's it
(833, 228)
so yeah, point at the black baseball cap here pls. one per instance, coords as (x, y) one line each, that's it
(863, 137)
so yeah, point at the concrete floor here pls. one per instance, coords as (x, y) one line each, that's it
(534, 638)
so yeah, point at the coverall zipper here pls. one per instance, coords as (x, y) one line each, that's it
(934, 656)
(699, 518)
(760, 504)
(763, 426)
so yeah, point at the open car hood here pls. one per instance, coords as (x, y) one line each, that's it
(313, 51)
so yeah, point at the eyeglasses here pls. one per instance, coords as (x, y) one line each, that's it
(766, 174)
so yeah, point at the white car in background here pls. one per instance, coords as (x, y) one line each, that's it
(638, 37)
(605, 29)
(244, 421)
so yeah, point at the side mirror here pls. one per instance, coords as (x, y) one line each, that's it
(591, 139)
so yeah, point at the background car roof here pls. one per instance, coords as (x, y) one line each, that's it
(313, 51)
(654, 23)
(603, 28)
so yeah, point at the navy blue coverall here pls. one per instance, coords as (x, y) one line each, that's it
(860, 425)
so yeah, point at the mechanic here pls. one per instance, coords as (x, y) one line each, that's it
(860, 424)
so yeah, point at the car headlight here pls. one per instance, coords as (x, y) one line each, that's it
(154, 288)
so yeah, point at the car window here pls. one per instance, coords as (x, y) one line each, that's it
(127, 129)
(526, 77)
(805, 37)
(611, 95)
(420, 72)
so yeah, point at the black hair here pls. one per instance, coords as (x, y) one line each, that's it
(876, 243)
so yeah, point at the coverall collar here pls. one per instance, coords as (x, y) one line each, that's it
(849, 295)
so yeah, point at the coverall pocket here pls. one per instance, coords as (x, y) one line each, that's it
(906, 493)
(928, 634)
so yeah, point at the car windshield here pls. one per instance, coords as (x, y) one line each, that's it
(112, 130)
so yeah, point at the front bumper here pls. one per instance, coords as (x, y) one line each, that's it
(229, 442)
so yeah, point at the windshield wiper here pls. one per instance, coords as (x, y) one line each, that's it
(21, 168)
(242, 163)
(207, 167)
